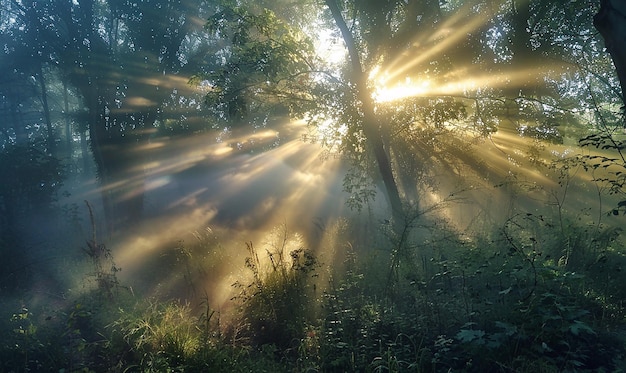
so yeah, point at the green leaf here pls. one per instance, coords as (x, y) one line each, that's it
(508, 329)
(578, 326)
(468, 335)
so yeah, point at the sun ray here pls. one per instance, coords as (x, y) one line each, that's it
(193, 183)
(426, 47)
(464, 85)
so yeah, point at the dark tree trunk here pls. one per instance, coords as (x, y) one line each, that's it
(46, 112)
(17, 122)
(118, 165)
(611, 22)
(97, 135)
(123, 182)
(84, 150)
(371, 124)
(113, 137)
(66, 117)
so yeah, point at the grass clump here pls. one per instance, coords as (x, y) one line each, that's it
(279, 301)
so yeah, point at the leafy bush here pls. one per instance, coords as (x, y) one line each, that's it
(511, 301)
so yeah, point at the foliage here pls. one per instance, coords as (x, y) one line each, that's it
(608, 166)
(512, 301)
(265, 64)
(358, 183)
(54, 339)
(30, 178)
(535, 303)
(163, 335)
(490, 76)
(279, 302)
(533, 294)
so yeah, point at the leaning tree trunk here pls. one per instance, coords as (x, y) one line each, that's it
(611, 22)
(371, 124)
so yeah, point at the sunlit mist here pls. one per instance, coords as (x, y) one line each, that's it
(311, 186)
(234, 186)
(461, 83)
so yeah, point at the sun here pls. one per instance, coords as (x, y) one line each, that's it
(409, 88)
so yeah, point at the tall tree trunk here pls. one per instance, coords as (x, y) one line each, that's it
(46, 112)
(84, 151)
(611, 22)
(371, 123)
(66, 117)
(21, 137)
(117, 164)
(97, 135)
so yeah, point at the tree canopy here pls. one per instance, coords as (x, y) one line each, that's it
(421, 81)
(419, 85)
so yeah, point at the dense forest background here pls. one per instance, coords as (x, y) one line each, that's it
(312, 186)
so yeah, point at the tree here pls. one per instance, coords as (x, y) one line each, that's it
(24, 87)
(124, 59)
(423, 80)
(370, 122)
(268, 62)
(611, 22)
(264, 64)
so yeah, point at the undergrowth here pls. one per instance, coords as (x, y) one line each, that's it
(534, 294)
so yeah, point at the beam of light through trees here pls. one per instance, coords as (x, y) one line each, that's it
(243, 183)
(194, 183)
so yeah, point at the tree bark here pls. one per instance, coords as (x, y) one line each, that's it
(611, 23)
(371, 123)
